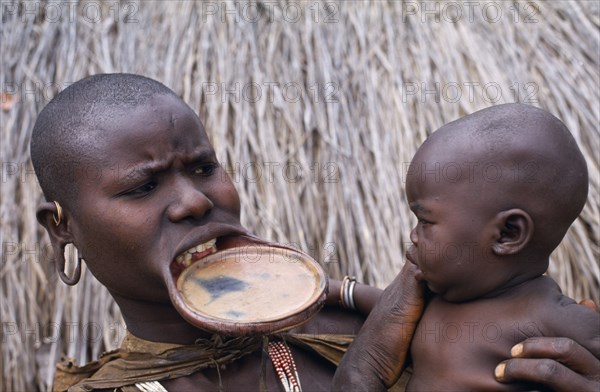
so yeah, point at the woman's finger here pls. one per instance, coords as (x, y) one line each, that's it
(563, 350)
(547, 372)
(558, 363)
(376, 358)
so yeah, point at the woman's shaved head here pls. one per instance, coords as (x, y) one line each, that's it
(67, 129)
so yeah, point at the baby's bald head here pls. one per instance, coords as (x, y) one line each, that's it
(66, 132)
(516, 156)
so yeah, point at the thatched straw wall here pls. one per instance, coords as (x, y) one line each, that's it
(327, 103)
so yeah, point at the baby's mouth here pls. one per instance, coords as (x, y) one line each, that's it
(197, 252)
(419, 274)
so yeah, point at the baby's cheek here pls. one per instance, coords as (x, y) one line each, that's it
(430, 255)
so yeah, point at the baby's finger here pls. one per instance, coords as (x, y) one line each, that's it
(547, 372)
(564, 350)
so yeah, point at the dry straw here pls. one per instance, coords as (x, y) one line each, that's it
(347, 93)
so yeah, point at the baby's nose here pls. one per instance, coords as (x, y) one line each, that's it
(413, 236)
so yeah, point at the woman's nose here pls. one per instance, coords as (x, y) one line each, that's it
(189, 202)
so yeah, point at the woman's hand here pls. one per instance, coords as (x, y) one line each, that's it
(558, 363)
(377, 357)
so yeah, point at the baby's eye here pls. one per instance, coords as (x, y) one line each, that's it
(424, 221)
(205, 169)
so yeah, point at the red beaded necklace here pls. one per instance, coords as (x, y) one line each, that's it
(285, 367)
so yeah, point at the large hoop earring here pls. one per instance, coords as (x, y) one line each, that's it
(60, 269)
(59, 214)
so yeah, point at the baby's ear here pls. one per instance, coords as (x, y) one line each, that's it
(513, 231)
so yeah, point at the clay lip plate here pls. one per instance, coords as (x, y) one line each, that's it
(252, 289)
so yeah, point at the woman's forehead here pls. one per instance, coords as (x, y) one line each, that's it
(152, 126)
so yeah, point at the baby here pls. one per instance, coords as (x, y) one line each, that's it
(494, 194)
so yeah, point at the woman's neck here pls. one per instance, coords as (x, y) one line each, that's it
(157, 322)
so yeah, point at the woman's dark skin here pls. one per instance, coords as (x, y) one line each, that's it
(162, 191)
(377, 357)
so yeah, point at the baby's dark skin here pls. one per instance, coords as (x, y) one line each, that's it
(462, 343)
(482, 243)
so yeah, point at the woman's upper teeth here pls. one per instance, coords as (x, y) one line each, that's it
(187, 255)
(202, 247)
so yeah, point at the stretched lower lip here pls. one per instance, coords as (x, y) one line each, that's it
(177, 299)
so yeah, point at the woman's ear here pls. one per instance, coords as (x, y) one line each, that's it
(514, 230)
(52, 217)
(55, 221)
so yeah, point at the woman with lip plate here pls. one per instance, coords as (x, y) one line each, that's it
(162, 199)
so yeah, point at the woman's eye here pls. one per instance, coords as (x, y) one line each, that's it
(423, 221)
(206, 169)
(144, 189)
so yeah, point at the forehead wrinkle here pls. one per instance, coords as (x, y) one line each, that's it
(153, 167)
(146, 169)
(200, 153)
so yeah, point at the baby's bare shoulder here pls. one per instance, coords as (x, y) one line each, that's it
(562, 316)
(545, 296)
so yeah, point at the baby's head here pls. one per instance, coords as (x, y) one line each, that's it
(494, 193)
(137, 178)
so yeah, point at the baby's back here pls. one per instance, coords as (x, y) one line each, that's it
(457, 346)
